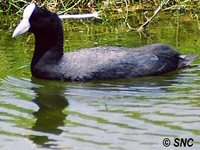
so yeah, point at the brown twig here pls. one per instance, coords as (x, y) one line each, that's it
(143, 26)
(198, 22)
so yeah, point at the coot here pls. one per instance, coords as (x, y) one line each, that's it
(107, 62)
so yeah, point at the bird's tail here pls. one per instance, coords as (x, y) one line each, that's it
(186, 60)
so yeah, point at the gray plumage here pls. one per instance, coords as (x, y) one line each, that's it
(113, 62)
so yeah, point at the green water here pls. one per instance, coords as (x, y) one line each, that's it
(107, 115)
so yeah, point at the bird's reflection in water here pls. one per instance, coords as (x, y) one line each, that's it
(49, 117)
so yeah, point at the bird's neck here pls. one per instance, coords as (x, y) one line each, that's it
(48, 46)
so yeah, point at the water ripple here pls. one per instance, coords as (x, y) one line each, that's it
(105, 115)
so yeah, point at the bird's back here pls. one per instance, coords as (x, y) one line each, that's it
(116, 62)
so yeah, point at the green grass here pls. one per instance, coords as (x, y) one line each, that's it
(17, 6)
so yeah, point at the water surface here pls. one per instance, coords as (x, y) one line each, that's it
(107, 115)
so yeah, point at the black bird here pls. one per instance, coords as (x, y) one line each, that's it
(50, 62)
